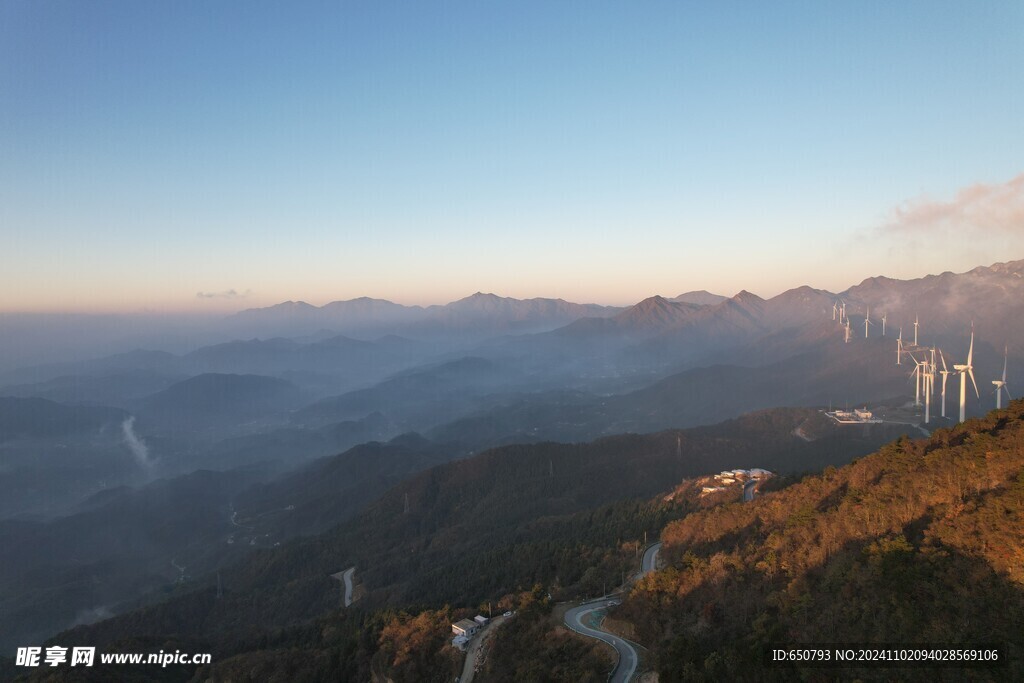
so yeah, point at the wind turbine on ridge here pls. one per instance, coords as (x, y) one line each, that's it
(899, 347)
(945, 372)
(929, 381)
(964, 370)
(915, 330)
(918, 374)
(1001, 384)
(883, 323)
(867, 321)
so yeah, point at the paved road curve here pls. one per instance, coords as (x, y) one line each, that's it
(346, 576)
(575, 619)
(650, 560)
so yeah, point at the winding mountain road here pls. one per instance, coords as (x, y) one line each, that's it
(628, 660)
(576, 619)
(346, 576)
(650, 559)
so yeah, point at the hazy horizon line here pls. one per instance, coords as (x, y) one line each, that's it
(223, 312)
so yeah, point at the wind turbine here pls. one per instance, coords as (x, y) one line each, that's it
(883, 323)
(915, 330)
(931, 367)
(918, 374)
(1001, 385)
(867, 321)
(835, 310)
(946, 372)
(847, 328)
(964, 370)
(929, 380)
(899, 346)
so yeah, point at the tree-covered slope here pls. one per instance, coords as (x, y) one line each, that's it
(921, 542)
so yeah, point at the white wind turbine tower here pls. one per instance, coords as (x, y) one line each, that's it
(915, 330)
(1001, 384)
(945, 372)
(964, 370)
(918, 374)
(899, 346)
(931, 364)
(867, 321)
(883, 323)
(847, 328)
(835, 310)
(929, 381)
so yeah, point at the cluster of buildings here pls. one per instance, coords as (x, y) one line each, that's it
(855, 416)
(465, 629)
(727, 477)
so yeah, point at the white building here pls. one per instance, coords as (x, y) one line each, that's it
(465, 627)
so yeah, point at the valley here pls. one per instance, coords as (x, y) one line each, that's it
(455, 475)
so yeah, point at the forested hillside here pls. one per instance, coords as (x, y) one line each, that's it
(920, 542)
(564, 516)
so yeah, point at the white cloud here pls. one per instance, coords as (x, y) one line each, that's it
(226, 294)
(988, 209)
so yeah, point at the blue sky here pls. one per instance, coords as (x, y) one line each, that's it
(423, 151)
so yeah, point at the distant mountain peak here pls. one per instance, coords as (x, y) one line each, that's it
(656, 311)
(283, 306)
(359, 301)
(745, 297)
(1014, 268)
(701, 297)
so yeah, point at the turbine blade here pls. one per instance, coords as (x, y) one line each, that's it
(970, 371)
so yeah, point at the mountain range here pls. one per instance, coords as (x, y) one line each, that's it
(470, 318)
(301, 427)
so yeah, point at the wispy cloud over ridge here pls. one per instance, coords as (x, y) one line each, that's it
(226, 294)
(979, 208)
(135, 443)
